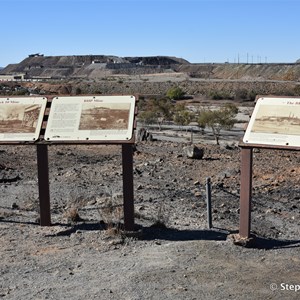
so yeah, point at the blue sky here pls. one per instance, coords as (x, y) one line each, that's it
(197, 30)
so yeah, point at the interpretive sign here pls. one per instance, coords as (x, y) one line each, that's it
(21, 118)
(106, 118)
(275, 121)
(71, 120)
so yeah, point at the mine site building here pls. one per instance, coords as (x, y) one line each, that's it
(15, 77)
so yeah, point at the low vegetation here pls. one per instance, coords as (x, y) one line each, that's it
(175, 93)
(158, 111)
(219, 119)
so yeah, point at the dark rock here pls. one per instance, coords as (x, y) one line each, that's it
(9, 176)
(193, 152)
(140, 187)
(144, 135)
(137, 171)
(14, 206)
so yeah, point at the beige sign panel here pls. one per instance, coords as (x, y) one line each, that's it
(105, 118)
(21, 118)
(275, 121)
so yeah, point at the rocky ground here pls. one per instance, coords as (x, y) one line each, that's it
(173, 255)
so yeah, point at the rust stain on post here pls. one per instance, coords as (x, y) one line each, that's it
(246, 192)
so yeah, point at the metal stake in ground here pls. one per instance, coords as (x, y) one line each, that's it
(208, 202)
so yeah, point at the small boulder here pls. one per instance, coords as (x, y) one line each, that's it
(193, 152)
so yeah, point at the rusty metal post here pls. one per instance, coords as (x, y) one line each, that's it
(43, 181)
(208, 202)
(245, 192)
(127, 162)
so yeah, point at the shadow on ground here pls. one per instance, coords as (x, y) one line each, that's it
(270, 244)
(215, 234)
(171, 234)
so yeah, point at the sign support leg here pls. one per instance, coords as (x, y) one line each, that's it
(246, 192)
(43, 181)
(127, 162)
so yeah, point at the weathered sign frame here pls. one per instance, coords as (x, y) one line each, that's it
(43, 165)
(246, 180)
(275, 121)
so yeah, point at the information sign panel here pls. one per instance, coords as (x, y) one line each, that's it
(21, 118)
(78, 118)
(275, 121)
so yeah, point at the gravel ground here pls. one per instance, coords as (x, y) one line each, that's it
(85, 255)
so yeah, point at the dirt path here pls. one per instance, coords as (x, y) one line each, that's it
(36, 263)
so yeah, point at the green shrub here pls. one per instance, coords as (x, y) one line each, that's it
(297, 90)
(175, 93)
(241, 94)
(217, 120)
(220, 95)
(78, 91)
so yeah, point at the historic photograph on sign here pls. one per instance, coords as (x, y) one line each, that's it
(275, 121)
(97, 118)
(280, 120)
(20, 118)
(104, 116)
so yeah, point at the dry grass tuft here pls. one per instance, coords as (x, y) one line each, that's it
(111, 213)
(161, 218)
(72, 215)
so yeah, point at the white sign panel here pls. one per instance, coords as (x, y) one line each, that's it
(21, 118)
(107, 118)
(275, 121)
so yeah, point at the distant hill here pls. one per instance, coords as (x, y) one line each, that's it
(90, 66)
(37, 66)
